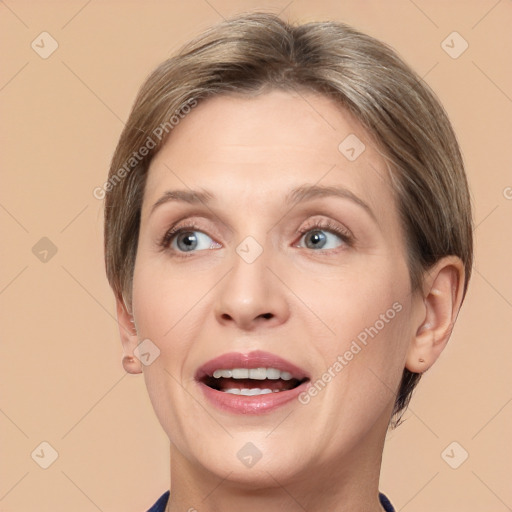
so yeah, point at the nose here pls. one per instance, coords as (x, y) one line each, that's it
(251, 296)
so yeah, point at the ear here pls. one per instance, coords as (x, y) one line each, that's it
(442, 291)
(129, 337)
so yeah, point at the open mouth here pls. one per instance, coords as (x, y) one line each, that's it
(251, 381)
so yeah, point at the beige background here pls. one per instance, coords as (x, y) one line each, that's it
(62, 381)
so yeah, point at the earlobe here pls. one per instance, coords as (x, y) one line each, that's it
(129, 338)
(442, 298)
(132, 365)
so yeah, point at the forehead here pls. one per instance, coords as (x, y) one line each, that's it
(254, 150)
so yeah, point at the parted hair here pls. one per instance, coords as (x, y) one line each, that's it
(255, 52)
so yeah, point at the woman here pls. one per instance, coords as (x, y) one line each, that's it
(288, 235)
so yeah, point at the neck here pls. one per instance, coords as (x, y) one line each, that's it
(346, 483)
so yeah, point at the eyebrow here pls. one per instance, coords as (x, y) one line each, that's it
(185, 196)
(295, 196)
(308, 192)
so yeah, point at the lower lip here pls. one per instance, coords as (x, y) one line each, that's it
(258, 404)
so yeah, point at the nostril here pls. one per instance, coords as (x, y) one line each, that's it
(228, 317)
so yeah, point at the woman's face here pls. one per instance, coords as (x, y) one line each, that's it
(270, 236)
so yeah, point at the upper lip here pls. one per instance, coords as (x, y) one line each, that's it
(254, 359)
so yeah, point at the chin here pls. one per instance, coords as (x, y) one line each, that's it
(251, 463)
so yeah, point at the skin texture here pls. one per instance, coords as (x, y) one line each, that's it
(304, 304)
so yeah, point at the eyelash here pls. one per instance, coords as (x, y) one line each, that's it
(324, 225)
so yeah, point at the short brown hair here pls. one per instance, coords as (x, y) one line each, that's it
(255, 52)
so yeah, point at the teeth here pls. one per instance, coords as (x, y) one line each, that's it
(253, 373)
(258, 373)
(248, 392)
(223, 373)
(273, 373)
(240, 373)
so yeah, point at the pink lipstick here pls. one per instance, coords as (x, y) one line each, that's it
(253, 383)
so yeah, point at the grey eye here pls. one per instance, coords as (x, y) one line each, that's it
(187, 241)
(321, 239)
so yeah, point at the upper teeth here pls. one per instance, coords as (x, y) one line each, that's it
(253, 373)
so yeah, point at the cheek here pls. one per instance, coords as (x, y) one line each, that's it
(162, 299)
(365, 315)
(356, 299)
(163, 306)
(374, 341)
